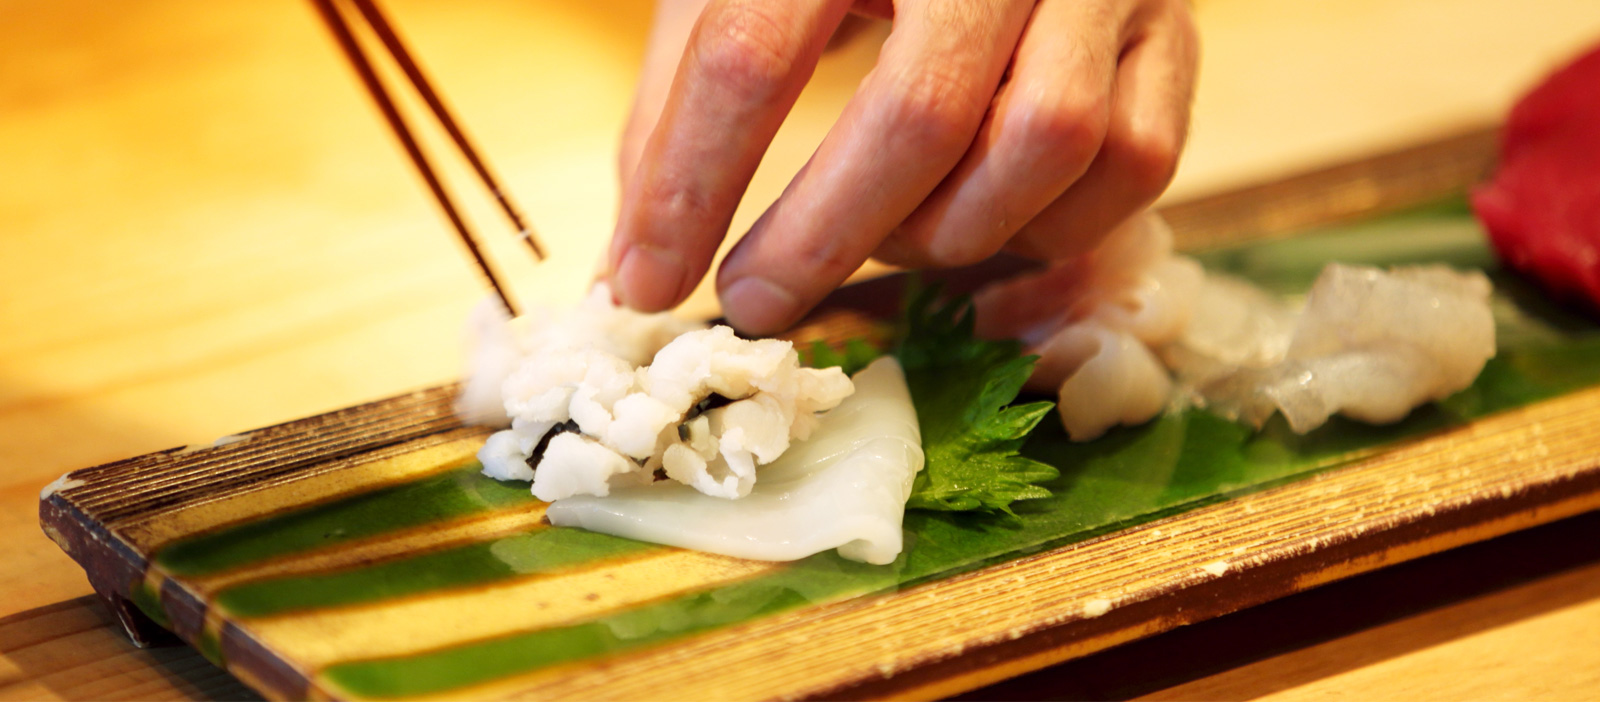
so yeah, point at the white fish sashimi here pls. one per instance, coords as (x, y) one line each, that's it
(1235, 324)
(1115, 379)
(1131, 282)
(1159, 306)
(1094, 321)
(1371, 345)
(845, 487)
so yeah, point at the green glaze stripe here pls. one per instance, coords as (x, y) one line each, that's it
(818, 579)
(538, 552)
(450, 495)
(148, 600)
(210, 647)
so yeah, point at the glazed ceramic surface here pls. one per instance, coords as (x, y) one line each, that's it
(361, 555)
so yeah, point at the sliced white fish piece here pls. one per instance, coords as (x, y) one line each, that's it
(1093, 321)
(1155, 307)
(1111, 378)
(845, 487)
(1235, 324)
(1440, 313)
(1371, 345)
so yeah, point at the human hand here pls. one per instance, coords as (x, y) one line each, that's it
(1031, 126)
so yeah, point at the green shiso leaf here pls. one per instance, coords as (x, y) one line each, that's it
(855, 355)
(961, 386)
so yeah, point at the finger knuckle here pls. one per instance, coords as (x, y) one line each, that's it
(1070, 132)
(960, 25)
(937, 108)
(674, 199)
(744, 48)
(1147, 157)
(824, 259)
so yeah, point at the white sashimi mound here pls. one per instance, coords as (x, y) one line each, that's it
(576, 386)
(1370, 345)
(845, 487)
(499, 344)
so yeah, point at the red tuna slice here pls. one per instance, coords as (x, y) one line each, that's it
(1542, 208)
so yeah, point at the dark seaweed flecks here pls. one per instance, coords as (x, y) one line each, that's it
(568, 427)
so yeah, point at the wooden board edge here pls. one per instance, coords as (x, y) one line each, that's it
(114, 567)
(1310, 569)
(113, 563)
(1366, 187)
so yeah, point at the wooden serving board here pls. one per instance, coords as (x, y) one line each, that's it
(358, 555)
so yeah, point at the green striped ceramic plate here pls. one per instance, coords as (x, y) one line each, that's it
(360, 555)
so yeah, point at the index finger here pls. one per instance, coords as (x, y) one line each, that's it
(903, 131)
(741, 74)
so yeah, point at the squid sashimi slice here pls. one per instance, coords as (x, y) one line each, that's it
(845, 487)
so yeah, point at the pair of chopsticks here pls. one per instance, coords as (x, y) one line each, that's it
(367, 10)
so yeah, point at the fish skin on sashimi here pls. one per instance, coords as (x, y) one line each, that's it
(1542, 208)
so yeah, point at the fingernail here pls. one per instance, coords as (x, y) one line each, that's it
(649, 278)
(755, 305)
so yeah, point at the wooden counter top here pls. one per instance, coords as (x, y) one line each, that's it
(204, 227)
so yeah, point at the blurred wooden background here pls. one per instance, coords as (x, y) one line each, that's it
(205, 227)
